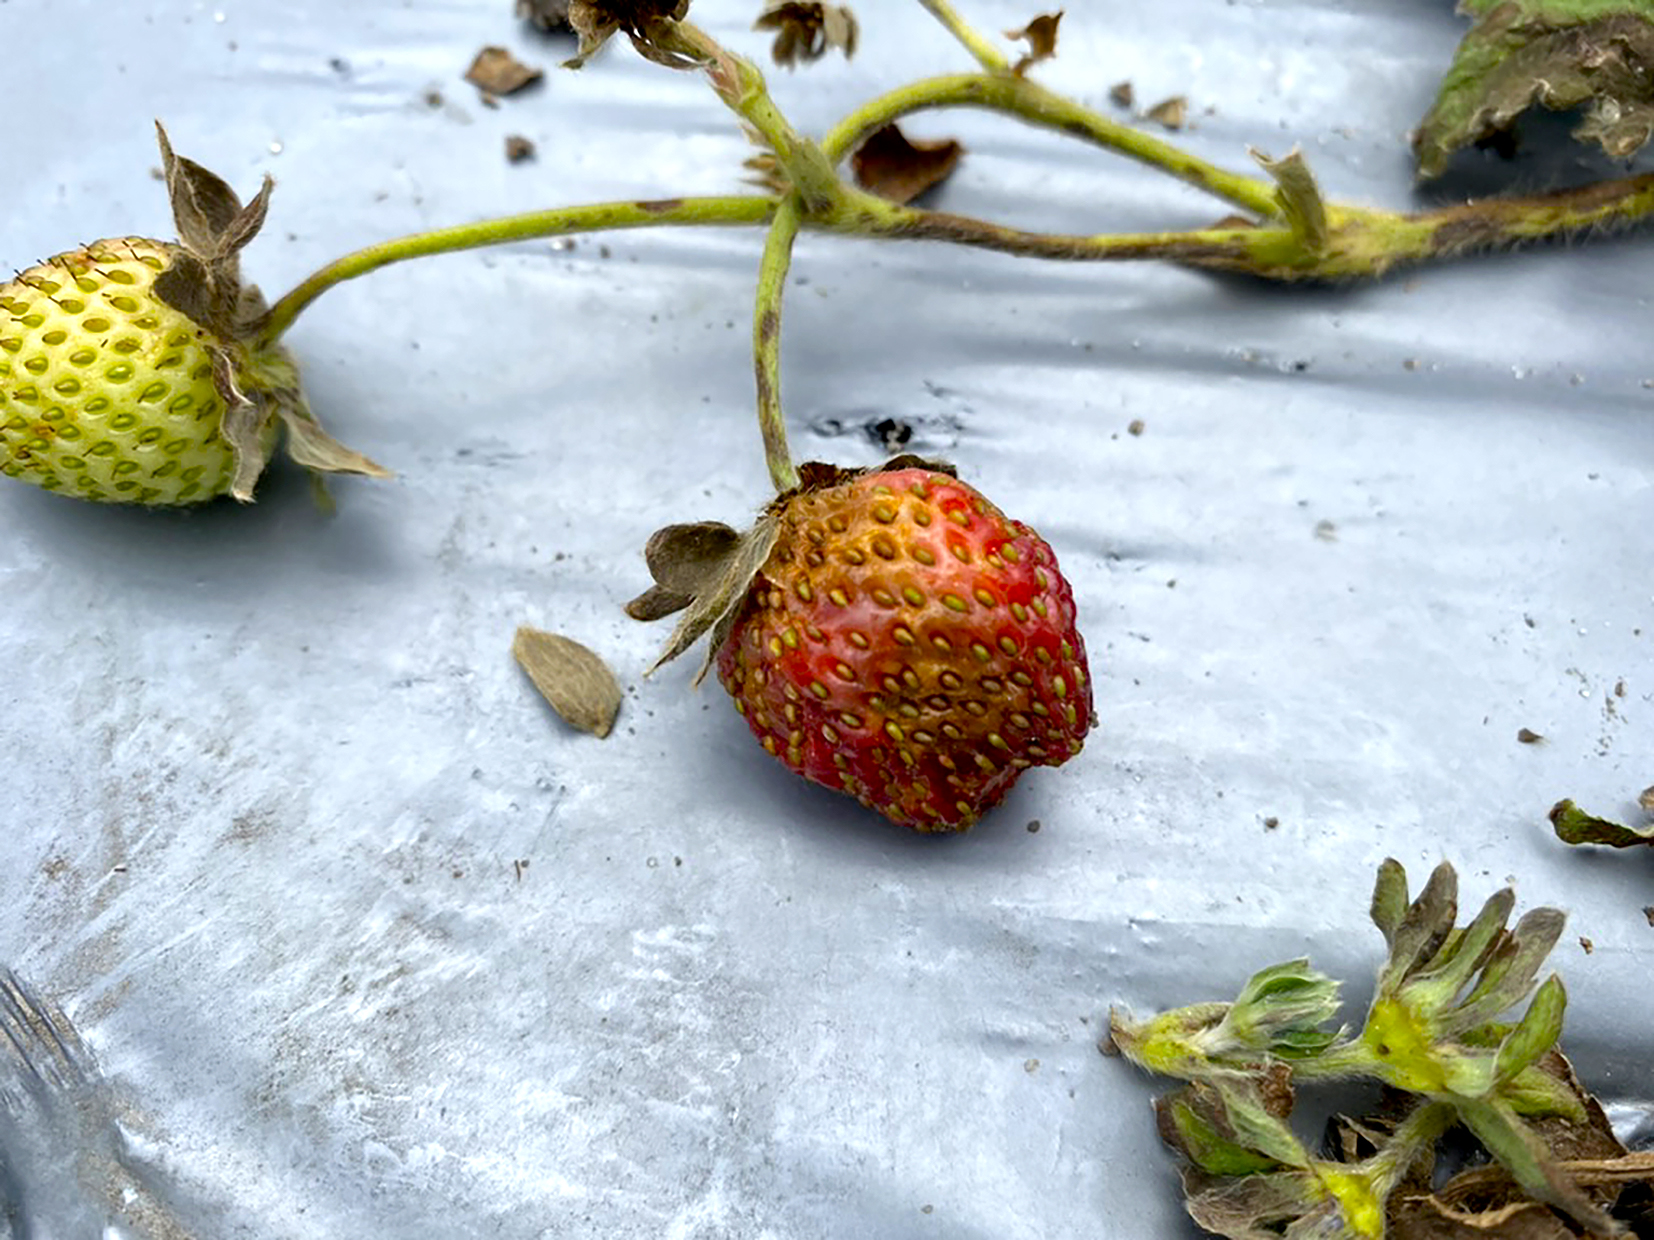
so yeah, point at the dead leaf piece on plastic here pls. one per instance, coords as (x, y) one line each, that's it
(1171, 113)
(1122, 95)
(1041, 34)
(577, 683)
(498, 72)
(892, 167)
(1646, 799)
(1574, 826)
(806, 32)
(1559, 54)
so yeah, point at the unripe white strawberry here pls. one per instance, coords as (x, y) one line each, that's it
(107, 392)
(133, 370)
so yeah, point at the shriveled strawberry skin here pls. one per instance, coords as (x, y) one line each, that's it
(907, 643)
(106, 392)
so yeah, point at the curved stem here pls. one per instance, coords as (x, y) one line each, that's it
(1015, 96)
(987, 55)
(740, 84)
(726, 211)
(766, 339)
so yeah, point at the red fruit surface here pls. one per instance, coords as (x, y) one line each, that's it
(907, 643)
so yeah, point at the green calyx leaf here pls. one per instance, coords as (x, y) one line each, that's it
(1231, 1128)
(1558, 54)
(1535, 1033)
(1282, 1010)
(1523, 1154)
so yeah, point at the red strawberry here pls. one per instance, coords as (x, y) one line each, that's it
(908, 644)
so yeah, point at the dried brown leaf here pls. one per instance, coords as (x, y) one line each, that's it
(891, 166)
(1122, 95)
(1041, 36)
(577, 683)
(1170, 113)
(496, 71)
(518, 149)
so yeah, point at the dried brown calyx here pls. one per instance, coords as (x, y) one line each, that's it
(645, 22)
(705, 568)
(806, 32)
(259, 384)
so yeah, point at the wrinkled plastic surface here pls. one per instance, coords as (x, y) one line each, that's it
(366, 942)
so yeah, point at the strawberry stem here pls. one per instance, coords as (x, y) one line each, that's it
(729, 211)
(766, 339)
(986, 54)
(740, 85)
(1015, 96)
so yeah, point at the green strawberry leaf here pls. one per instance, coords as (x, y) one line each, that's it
(576, 683)
(1559, 54)
(1574, 826)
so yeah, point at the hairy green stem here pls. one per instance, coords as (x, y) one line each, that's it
(766, 339)
(1033, 103)
(740, 84)
(720, 212)
(986, 54)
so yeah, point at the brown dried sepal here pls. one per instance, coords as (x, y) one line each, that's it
(704, 569)
(597, 21)
(204, 283)
(890, 165)
(806, 32)
(1041, 35)
(495, 71)
(574, 680)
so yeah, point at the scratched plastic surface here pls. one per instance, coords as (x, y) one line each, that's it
(361, 941)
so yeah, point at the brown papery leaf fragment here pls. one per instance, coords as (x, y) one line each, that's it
(1171, 113)
(1122, 95)
(498, 72)
(577, 683)
(1041, 35)
(891, 166)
